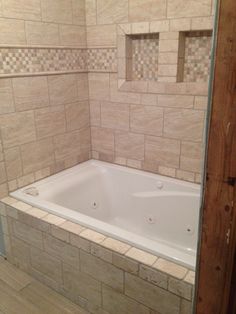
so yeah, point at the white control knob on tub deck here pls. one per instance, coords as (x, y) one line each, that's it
(159, 185)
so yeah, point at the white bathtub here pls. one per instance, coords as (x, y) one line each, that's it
(149, 211)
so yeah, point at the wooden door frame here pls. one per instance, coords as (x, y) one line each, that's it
(218, 223)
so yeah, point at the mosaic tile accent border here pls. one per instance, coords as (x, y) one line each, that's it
(29, 60)
(145, 49)
(197, 59)
(102, 59)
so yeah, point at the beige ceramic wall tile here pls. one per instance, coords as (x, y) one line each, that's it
(28, 234)
(83, 86)
(102, 271)
(12, 32)
(116, 245)
(90, 8)
(154, 297)
(3, 176)
(200, 102)
(50, 121)
(191, 156)
(77, 115)
(63, 89)
(81, 285)
(168, 58)
(115, 116)
(72, 35)
(182, 8)
(102, 35)
(46, 264)
(6, 97)
(25, 180)
(159, 26)
(112, 11)
(185, 175)
(142, 10)
(175, 101)
(129, 145)
(125, 263)
(71, 144)
(17, 128)
(157, 278)
(141, 256)
(38, 33)
(99, 86)
(184, 124)
(13, 163)
(170, 268)
(180, 288)
(162, 151)
(183, 24)
(204, 23)
(58, 11)
(22, 9)
(115, 302)
(186, 307)
(37, 155)
(30, 92)
(95, 113)
(146, 119)
(102, 140)
(78, 8)
(149, 99)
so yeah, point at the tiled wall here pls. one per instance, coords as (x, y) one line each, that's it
(158, 124)
(44, 120)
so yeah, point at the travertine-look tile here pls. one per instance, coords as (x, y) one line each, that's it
(116, 245)
(79, 284)
(183, 24)
(6, 97)
(153, 276)
(66, 252)
(3, 190)
(95, 113)
(57, 11)
(17, 128)
(143, 10)
(24, 207)
(25, 180)
(101, 270)
(72, 35)
(125, 263)
(141, 256)
(36, 212)
(9, 200)
(185, 124)
(115, 302)
(191, 156)
(182, 8)
(92, 235)
(83, 86)
(129, 145)
(79, 242)
(54, 220)
(78, 9)
(112, 11)
(152, 296)
(168, 58)
(28, 234)
(12, 32)
(186, 307)
(102, 140)
(46, 264)
(180, 288)
(170, 268)
(200, 102)
(3, 176)
(99, 86)
(23, 9)
(101, 35)
(71, 227)
(101, 252)
(42, 173)
(202, 23)
(175, 101)
(50, 121)
(37, 155)
(146, 119)
(159, 26)
(77, 115)
(162, 151)
(149, 99)
(166, 171)
(60, 234)
(91, 14)
(34, 96)
(63, 89)
(38, 33)
(190, 277)
(115, 116)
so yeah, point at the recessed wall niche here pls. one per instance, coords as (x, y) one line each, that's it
(194, 56)
(142, 57)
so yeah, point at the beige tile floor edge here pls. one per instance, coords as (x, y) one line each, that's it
(21, 294)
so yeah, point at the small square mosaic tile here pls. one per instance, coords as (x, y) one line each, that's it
(102, 59)
(145, 49)
(35, 60)
(197, 58)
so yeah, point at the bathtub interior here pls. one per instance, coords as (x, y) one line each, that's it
(153, 207)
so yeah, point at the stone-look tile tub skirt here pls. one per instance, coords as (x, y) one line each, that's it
(101, 274)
